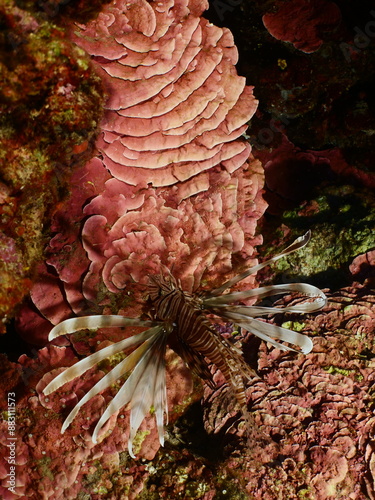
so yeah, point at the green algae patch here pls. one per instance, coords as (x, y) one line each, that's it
(294, 325)
(341, 220)
(43, 465)
(336, 370)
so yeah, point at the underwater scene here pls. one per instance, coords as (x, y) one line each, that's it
(187, 250)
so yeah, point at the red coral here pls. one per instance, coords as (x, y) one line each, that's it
(185, 137)
(317, 409)
(303, 22)
(52, 465)
(131, 233)
(133, 237)
(291, 173)
(176, 104)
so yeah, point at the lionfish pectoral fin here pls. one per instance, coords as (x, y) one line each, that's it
(150, 390)
(72, 325)
(85, 364)
(118, 371)
(160, 396)
(296, 245)
(310, 291)
(268, 332)
(139, 389)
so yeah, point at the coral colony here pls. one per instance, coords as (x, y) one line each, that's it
(153, 259)
(176, 201)
(175, 102)
(179, 320)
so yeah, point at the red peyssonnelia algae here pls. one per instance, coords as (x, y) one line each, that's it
(133, 238)
(176, 104)
(132, 233)
(291, 173)
(175, 111)
(318, 408)
(175, 127)
(196, 226)
(303, 22)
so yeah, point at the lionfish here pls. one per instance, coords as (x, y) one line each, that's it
(180, 321)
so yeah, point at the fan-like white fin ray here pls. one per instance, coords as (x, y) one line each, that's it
(256, 311)
(160, 397)
(87, 363)
(266, 330)
(146, 353)
(93, 323)
(268, 291)
(144, 394)
(296, 245)
(123, 367)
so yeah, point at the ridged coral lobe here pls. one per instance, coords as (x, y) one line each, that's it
(176, 104)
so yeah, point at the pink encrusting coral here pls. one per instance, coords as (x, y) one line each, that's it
(132, 238)
(318, 408)
(175, 110)
(198, 225)
(132, 233)
(175, 102)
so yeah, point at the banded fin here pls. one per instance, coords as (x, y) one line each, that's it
(146, 385)
(296, 245)
(93, 323)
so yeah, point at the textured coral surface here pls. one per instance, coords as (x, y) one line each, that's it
(317, 409)
(176, 104)
(311, 437)
(174, 119)
(50, 106)
(201, 225)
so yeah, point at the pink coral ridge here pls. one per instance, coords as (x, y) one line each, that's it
(303, 23)
(134, 233)
(195, 239)
(176, 104)
(165, 124)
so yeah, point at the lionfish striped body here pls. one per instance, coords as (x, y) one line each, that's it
(180, 321)
(194, 338)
